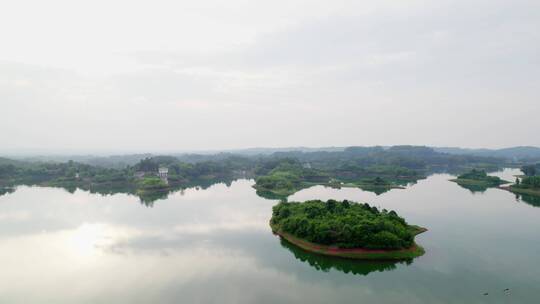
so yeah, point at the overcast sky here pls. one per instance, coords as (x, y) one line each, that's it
(148, 76)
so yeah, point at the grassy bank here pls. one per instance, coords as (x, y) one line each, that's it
(529, 191)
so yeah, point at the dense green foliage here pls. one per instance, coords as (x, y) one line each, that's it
(32, 173)
(531, 170)
(289, 176)
(281, 173)
(479, 176)
(528, 187)
(344, 224)
(133, 179)
(152, 183)
(532, 182)
(416, 158)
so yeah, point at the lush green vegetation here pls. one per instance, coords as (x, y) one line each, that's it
(343, 224)
(374, 169)
(530, 182)
(152, 184)
(277, 175)
(290, 176)
(287, 177)
(478, 178)
(527, 185)
(531, 170)
(140, 179)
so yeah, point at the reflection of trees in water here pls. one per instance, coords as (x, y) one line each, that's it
(474, 188)
(146, 198)
(326, 263)
(6, 190)
(374, 189)
(271, 196)
(532, 200)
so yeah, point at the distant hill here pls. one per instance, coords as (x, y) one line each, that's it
(112, 161)
(513, 153)
(266, 151)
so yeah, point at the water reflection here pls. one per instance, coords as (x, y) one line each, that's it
(473, 188)
(215, 246)
(376, 190)
(327, 263)
(528, 199)
(146, 198)
(271, 195)
(6, 190)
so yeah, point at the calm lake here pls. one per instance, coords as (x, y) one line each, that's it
(215, 246)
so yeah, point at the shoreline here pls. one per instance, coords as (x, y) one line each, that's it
(533, 192)
(354, 253)
(364, 187)
(474, 182)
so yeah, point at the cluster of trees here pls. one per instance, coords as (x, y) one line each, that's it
(283, 172)
(344, 224)
(531, 170)
(528, 182)
(351, 172)
(480, 175)
(186, 172)
(288, 176)
(16, 172)
(152, 184)
(417, 158)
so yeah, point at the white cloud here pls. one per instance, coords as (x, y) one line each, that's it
(103, 75)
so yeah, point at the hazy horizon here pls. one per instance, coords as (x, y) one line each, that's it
(104, 153)
(134, 76)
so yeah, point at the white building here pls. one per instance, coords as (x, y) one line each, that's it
(163, 172)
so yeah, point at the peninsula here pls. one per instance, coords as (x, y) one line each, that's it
(527, 185)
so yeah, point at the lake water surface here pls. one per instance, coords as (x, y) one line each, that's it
(215, 246)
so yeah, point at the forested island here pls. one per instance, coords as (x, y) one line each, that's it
(346, 229)
(478, 178)
(291, 176)
(374, 169)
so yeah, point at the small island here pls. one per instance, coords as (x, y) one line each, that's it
(346, 229)
(478, 178)
(376, 185)
(290, 176)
